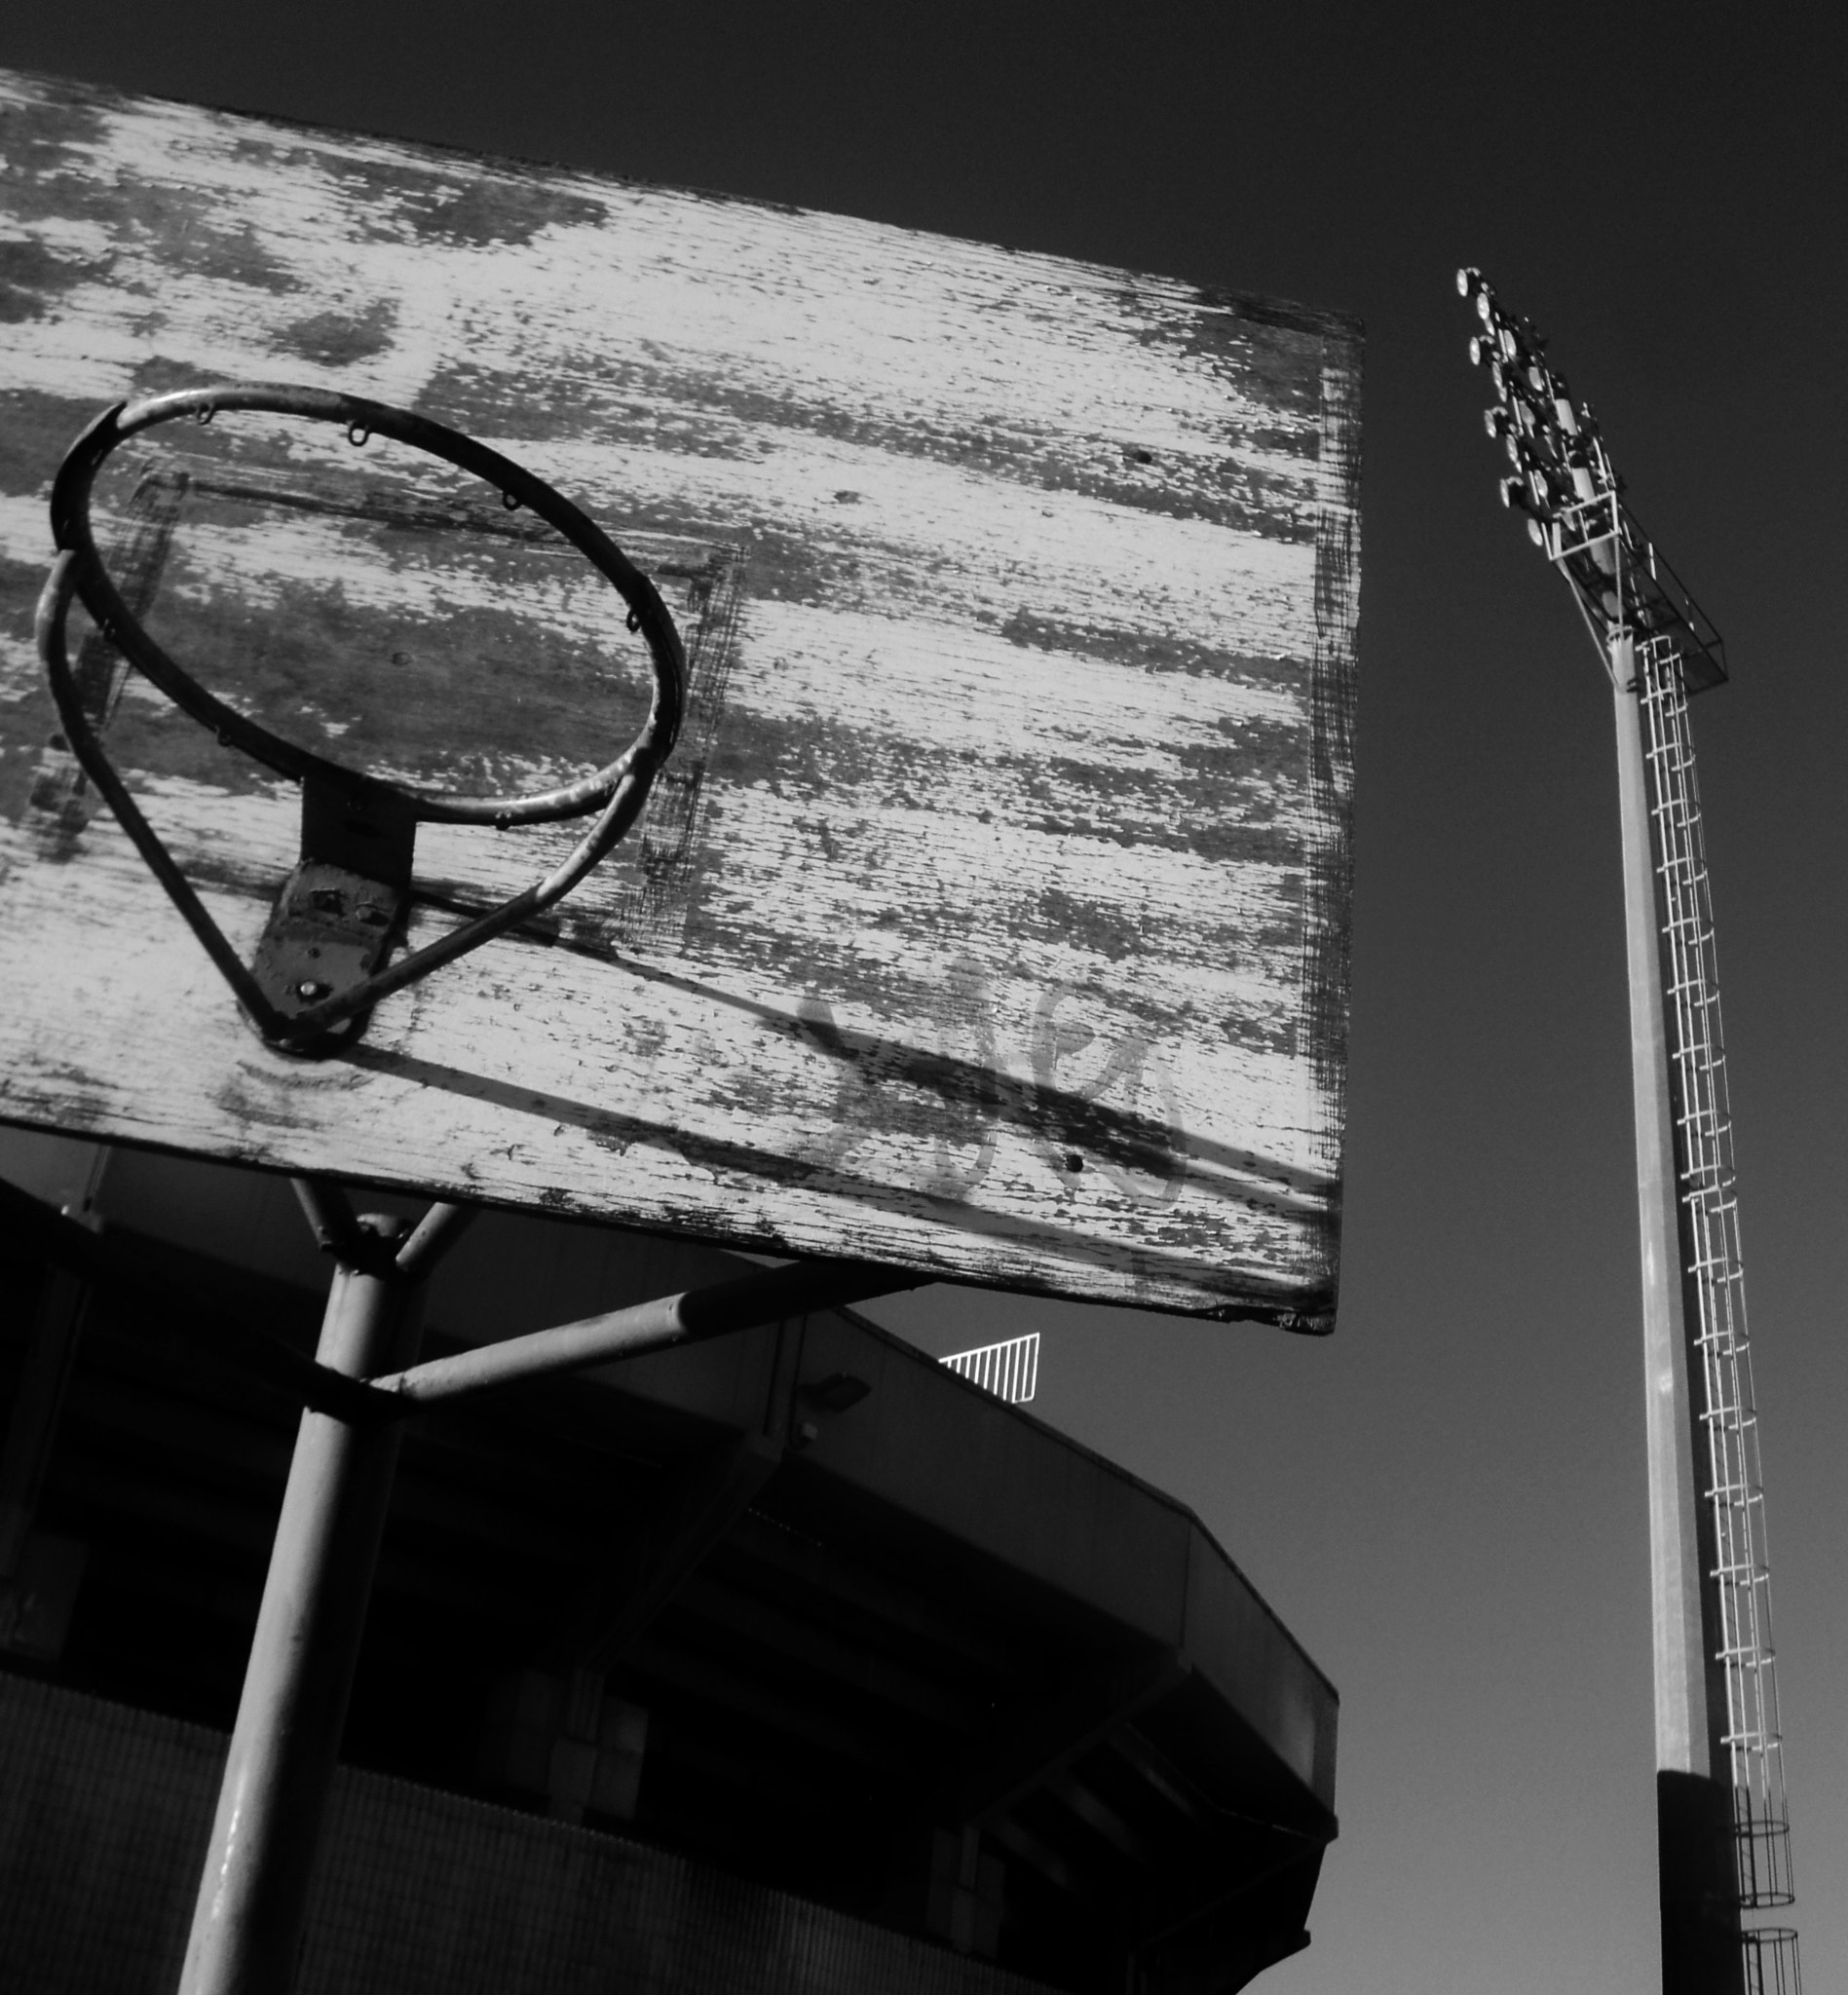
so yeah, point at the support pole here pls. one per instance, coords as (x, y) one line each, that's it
(247, 1920)
(1701, 1952)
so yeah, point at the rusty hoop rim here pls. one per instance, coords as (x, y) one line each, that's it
(362, 419)
(309, 1031)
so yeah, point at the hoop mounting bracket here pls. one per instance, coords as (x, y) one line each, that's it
(338, 914)
(322, 964)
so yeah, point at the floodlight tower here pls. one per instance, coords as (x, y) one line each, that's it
(1723, 1825)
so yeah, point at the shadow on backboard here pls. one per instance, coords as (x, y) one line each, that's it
(1293, 1310)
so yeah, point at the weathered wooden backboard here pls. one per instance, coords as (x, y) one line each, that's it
(992, 918)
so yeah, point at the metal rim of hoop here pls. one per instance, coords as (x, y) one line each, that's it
(620, 786)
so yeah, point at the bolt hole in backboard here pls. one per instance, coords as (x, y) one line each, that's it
(989, 917)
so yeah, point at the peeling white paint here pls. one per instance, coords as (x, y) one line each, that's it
(1010, 776)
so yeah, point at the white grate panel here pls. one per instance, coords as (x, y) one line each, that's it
(1010, 1370)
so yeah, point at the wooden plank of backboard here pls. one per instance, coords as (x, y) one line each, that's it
(994, 921)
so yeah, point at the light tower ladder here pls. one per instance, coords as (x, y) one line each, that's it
(1735, 1486)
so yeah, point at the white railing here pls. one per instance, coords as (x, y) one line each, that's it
(1010, 1370)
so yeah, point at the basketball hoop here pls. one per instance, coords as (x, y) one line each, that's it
(320, 966)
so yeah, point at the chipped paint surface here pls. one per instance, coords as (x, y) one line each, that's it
(991, 917)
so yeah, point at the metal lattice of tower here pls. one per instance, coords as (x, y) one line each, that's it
(1735, 1485)
(1659, 648)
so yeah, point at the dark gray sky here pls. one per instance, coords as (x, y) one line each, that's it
(1446, 1500)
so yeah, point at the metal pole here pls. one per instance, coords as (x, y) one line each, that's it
(1701, 1953)
(720, 1310)
(247, 1920)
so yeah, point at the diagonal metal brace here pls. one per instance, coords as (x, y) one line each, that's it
(691, 1317)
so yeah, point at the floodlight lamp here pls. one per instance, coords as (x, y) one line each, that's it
(1499, 422)
(1479, 351)
(1536, 533)
(1467, 278)
(1485, 307)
